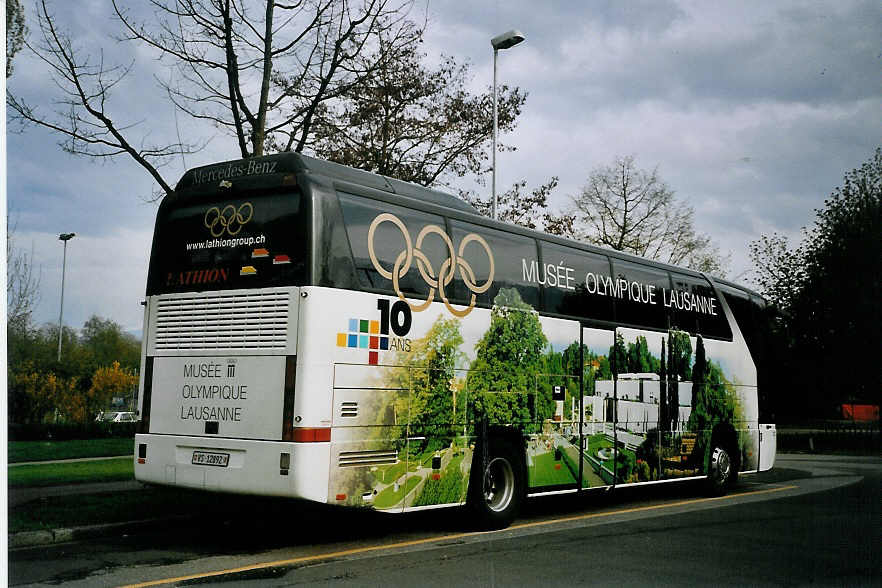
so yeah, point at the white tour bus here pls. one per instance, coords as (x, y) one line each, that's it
(321, 332)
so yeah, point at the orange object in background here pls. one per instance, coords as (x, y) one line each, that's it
(860, 412)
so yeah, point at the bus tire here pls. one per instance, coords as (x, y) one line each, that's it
(497, 487)
(722, 472)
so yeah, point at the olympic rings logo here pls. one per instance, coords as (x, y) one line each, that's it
(228, 219)
(455, 261)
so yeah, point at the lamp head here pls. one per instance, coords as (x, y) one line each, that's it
(507, 39)
(66, 236)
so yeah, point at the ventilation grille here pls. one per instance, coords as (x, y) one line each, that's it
(367, 458)
(235, 321)
(349, 410)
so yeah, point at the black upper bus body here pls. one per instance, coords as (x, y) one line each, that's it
(292, 220)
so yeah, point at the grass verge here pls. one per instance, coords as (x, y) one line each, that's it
(57, 512)
(82, 472)
(20, 451)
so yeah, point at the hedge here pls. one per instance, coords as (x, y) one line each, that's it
(69, 431)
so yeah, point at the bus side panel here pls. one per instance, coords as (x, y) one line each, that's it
(400, 430)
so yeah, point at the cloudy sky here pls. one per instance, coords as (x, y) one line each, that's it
(751, 111)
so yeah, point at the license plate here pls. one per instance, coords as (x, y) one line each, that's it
(209, 458)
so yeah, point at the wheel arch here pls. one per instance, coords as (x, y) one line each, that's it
(724, 435)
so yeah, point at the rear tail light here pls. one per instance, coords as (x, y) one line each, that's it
(312, 435)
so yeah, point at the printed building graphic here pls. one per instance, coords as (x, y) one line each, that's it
(637, 407)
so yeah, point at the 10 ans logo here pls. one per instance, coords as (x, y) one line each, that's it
(374, 335)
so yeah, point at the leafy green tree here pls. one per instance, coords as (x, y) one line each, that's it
(428, 372)
(411, 122)
(625, 463)
(698, 372)
(779, 269)
(16, 30)
(618, 355)
(502, 378)
(828, 288)
(678, 368)
(680, 351)
(604, 370)
(640, 360)
(663, 388)
(106, 342)
(32, 365)
(107, 383)
(716, 404)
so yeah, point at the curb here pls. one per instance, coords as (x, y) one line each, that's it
(65, 535)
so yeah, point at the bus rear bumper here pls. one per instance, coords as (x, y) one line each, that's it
(237, 466)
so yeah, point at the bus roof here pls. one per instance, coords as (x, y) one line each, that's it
(280, 168)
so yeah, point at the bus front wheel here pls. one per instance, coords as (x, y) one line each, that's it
(498, 488)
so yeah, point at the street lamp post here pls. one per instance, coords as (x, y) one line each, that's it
(65, 237)
(503, 41)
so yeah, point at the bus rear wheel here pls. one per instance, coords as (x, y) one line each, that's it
(497, 489)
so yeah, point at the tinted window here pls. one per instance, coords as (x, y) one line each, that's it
(504, 264)
(569, 279)
(638, 291)
(220, 244)
(405, 243)
(746, 313)
(695, 308)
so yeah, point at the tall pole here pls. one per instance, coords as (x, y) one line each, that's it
(65, 237)
(503, 41)
(495, 131)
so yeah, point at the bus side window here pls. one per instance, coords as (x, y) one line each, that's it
(699, 313)
(508, 253)
(739, 304)
(392, 232)
(640, 295)
(574, 282)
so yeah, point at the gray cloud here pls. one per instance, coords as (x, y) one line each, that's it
(751, 111)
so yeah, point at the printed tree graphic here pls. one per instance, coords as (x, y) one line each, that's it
(502, 378)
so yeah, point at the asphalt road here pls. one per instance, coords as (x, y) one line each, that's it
(813, 520)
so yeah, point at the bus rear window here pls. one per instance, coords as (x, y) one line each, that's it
(221, 244)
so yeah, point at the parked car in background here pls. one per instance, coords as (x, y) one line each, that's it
(116, 417)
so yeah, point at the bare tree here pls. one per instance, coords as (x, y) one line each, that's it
(527, 210)
(413, 122)
(258, 70)
(16, 29)
(82, 115)
(22, 284)
(633, 210)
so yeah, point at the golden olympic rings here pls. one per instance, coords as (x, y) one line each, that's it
(229, 219)
(455, 260)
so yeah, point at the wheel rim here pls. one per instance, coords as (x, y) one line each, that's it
(498, 484)
(721, 466)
